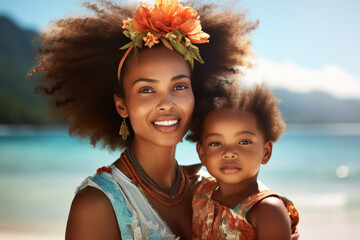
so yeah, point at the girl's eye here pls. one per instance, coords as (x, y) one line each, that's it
(146, 90)
(245, 142)
(180, 87)
(215, 144)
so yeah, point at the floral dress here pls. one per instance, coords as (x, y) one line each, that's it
(212, 220)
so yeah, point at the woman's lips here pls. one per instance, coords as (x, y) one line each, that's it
(166, 126)
(230, 169)
(166, 123)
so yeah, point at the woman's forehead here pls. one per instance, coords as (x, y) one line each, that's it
(157, 63)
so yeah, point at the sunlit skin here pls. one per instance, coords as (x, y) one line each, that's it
(233, 149)
(159, 102)
(157, 88)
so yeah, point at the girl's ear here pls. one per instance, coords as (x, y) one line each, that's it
(120, 106)
(200, 152)
(267, 152)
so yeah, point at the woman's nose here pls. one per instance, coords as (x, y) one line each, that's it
(166, 103)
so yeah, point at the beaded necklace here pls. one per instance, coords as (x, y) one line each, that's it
(173, 195)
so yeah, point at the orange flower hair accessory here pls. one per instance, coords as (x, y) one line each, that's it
(177, 26)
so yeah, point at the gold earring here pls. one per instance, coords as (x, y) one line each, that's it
(124, 131)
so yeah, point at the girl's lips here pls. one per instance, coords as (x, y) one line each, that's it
(230, 169)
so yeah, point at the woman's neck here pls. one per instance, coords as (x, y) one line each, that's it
(158, 162)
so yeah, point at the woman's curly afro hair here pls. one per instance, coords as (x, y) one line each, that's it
(79, 57)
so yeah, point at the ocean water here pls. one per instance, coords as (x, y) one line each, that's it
(316, 166)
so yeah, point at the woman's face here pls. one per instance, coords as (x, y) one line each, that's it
(158, 100)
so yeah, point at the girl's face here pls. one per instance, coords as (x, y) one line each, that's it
(158, 100)
(232, 147)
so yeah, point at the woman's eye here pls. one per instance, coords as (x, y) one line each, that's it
(180, 87)
(146, 90)
(245, 142)
(215, 144)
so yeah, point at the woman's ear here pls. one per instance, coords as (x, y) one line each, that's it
(200, 152)
(120, 106)
(267, 152)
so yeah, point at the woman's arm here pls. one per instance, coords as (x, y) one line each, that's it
(91, 217)
(272, 220)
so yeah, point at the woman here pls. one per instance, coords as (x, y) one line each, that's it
(144, 194)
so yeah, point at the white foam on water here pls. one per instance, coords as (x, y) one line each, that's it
(320, 200)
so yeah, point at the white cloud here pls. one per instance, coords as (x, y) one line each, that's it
(288, 75)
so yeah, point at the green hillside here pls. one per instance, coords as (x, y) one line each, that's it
(317, 107)
(20, 105)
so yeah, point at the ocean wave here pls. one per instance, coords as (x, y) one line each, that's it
(326, 200)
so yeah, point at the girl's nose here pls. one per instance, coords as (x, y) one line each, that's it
(166, 103)
(229, 154)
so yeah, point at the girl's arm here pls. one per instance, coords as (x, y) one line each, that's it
(91, 217)
(272, 220)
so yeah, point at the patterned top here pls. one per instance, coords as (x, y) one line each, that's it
(135, 216)
(211, 220)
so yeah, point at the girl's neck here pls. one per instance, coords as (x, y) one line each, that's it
(231, 195)
(158, 162)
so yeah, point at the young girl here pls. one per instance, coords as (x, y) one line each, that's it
(144, 194)
(235, 133)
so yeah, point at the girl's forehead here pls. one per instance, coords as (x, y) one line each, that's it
(231, 117)
(229, 113)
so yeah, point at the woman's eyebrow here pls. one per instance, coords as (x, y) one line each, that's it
(180, 77)
(149, 80)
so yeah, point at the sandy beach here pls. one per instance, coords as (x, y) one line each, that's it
(314, 225)
(16, 230)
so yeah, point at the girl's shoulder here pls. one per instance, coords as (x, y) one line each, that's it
(272, 210)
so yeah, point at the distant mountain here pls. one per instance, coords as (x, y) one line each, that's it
(317, 107)
(19, 104)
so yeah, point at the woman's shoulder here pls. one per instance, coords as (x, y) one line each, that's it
(192, 170)
(91, 196)
(91, 216)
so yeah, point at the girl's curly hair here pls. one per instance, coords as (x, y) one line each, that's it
(259, 100)
(79, 57)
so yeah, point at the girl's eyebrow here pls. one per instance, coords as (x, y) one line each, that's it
(213, 135)
(245, 132)
(149, 80)
(238, 133)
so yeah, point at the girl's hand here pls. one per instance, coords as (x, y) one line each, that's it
(295, 236)
(192, 170)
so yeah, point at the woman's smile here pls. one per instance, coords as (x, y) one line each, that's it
(166, 126)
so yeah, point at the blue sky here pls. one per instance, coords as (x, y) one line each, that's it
(300, 45)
